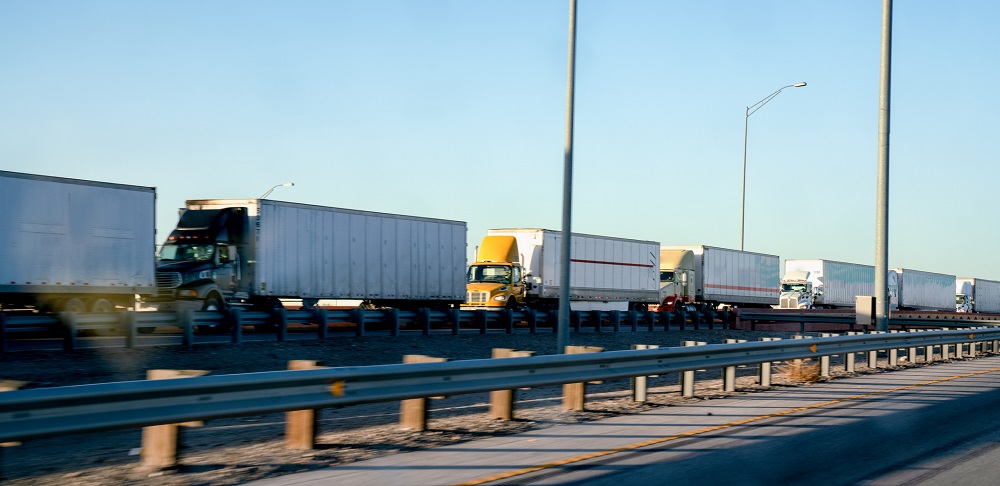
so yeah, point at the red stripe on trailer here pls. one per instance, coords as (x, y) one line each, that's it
(737, 287)
(599, 262)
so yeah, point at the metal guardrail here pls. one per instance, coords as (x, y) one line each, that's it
(131, 324)
(47, 412)
(849, 319)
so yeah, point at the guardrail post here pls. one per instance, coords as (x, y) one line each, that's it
(665, 317)
(321, 318)
(824, 361)
(597, 318)
(681, 315)
(959, 350)
(502, 401)
(531, 316)
(995, 348)
(911, 353)
(185, 320)
(69, 330)
(280, 318)
(393, 316)
(849, 357)
(873, 355)
(574, 393)
(508, 320)
(710, 315)
(929, 353)
(456, 320)
(729, 372)
(413, 411)
(893, 353)
(159, 442)
(301, 426)
(359, 321)
(575, 320)
(764, 373)
(687, 377)
(633, 320)
(424, 316)
(945, 352)
(235, 317)
(481, 320)
(639, 382)
(126, 320)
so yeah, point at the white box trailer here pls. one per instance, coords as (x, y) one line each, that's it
(918, 290)
(834, 284)
(283, 250)
(979, 295)
(608, 272)
(75, 245)
(733, 277)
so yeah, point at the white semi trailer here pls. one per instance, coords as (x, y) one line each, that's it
(256, 252)
(521, 267)
(708, 276)
(977, 295)
(74, 245)
(918, 290)
(824, 284)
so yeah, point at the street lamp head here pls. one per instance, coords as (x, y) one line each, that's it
(287, 184)
(799, 85)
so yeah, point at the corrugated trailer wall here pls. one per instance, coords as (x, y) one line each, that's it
(926, 290)
(310, 251)
(733, 276)
(843, 282)
(73, 236)
(986, 295)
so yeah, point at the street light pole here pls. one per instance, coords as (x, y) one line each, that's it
(746, 122)
(287, 184)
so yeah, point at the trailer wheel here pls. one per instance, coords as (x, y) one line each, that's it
(73, 305)
(101, 305)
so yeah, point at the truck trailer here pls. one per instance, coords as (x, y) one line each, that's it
(711, 277)
(256, 252)
(824, 284)
(977, 295)
(75, 245)
(918, 290)
(520, 267)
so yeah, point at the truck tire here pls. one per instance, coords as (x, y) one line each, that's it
(73, 305)
(101, 305)
(213, 303)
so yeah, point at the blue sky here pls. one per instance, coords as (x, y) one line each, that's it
(456, 110)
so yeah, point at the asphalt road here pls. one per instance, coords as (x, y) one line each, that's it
(930, 425)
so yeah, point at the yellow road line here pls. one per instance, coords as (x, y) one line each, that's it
(660, 440)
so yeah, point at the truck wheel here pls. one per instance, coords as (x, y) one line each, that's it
(213, 303)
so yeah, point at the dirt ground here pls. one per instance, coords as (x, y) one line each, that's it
(234, 451)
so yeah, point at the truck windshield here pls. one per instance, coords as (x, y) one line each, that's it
(489, 274)
(794, 287)
(185, 252)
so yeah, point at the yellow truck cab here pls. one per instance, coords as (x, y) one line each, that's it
(496, 279)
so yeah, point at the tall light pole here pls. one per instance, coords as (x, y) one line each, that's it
(287, 184)
(562, 316)
(746, 121)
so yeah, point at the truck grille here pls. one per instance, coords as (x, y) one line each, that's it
(477, 297)
(789, 303)
(166, 281)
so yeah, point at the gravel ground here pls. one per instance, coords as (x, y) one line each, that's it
(234, 451)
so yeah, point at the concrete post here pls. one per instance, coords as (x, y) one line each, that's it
(764, 374)
(574, 394)
(824, 361)
(301, 426)
(159, 442)
(502, 401)
(413, 412)
(638, 383)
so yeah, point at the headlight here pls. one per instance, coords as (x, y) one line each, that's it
(500, 298)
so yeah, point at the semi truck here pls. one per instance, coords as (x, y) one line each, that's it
(918, 290)
(706, 277)
(520, 267)
(824, 284)
(977, 295)
(74, 245)
(257, 252)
